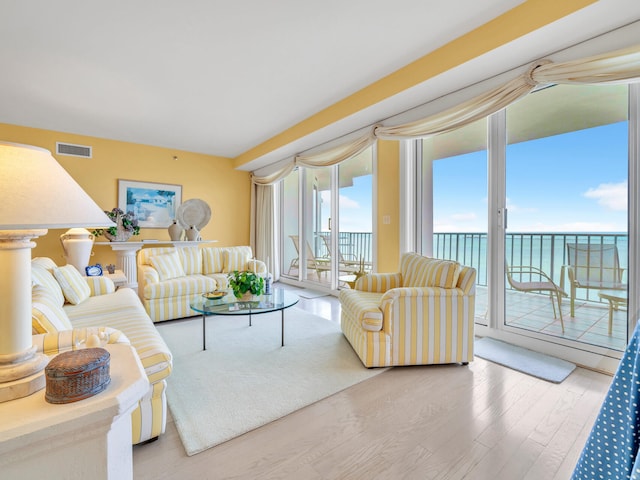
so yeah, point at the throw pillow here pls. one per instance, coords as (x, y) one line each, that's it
(442, 273)
(212, 260)
(168, 266)
(46, 315)
(74, 286)
(236, 258)
(191, 260)
(41, 276)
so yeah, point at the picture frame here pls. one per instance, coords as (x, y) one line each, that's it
(154, 204)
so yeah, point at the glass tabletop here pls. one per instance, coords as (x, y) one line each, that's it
(279, 299)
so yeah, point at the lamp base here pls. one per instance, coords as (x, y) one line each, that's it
(20, 377)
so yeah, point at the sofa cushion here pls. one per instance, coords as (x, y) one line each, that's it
(168, 266)
(212, 260)
(41, 276)
(47, 316)
(236, 258)
(191, 258)
(74, 286)
(179, 287)
(145, 254)
(123, 311)
(365, 306)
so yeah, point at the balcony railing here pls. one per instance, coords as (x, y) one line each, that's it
(546, 251)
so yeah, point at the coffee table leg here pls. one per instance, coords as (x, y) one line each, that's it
(282, 328)
(204, 333)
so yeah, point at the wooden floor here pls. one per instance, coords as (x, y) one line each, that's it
(477, 422)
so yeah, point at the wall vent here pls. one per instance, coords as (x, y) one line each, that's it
(73, 150)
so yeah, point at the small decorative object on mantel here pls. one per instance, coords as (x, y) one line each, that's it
(93, 270)
(193, 234)
(76, 375)
(126, 225)
(175, 231)
(111, 268)
(246, 283)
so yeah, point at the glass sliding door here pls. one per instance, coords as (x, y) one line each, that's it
(327, 210)
(290, 236)
(566, 197)
(454, 185)
(354, 238)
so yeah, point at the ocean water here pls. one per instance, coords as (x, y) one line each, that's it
(546, 251)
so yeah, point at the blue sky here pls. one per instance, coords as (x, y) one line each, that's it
(355, 206)
(574, 182)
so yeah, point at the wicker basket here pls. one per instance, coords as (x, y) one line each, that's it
(76, 375)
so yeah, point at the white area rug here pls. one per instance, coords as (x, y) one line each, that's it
(245, 379)
(527, 361)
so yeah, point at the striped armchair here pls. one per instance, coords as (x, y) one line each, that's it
(422, 315)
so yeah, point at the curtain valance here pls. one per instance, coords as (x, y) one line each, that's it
(622, 66)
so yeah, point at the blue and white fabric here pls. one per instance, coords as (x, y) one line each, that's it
(611, 451)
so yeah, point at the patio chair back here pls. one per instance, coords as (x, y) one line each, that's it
(594, 265)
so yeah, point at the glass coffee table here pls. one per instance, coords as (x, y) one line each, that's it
(279, 300)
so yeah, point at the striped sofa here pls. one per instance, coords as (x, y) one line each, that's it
(170, 278)
(422, 315)
(63, 321)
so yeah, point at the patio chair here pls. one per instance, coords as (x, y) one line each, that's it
(542, 283)
(592, 266)
(314, 263)
(347, 263)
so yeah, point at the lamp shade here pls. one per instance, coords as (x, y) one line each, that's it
(37, 193)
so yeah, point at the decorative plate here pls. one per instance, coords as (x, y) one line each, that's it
(214, 295)
(194, 212)
(93, 270)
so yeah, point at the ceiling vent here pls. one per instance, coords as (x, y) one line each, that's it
(73, 150)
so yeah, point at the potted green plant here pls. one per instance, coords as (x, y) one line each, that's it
(126, 225)
(246, 283)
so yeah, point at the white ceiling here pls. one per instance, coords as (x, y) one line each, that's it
(220, 77)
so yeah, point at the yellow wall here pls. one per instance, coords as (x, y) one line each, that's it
(212, 179)
(388, 185)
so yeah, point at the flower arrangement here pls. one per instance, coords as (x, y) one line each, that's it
(246, 282)
(126, 225)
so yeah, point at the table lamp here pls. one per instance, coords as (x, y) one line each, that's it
(36, 194)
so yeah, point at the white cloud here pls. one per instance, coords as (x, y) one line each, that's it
(345, 202)
(610, 195)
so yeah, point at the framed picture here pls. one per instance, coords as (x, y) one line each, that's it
(154, 204)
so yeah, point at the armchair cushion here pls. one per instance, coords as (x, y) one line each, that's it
(367, 306)
(46, 315)
(419, 271)
(379, 282)
(168, 266)
(74, 287)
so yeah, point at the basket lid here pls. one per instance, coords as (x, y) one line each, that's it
(76, 362)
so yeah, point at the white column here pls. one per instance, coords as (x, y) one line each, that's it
(21, 369)
(126, 260)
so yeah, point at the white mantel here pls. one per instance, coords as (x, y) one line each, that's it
(90, 438)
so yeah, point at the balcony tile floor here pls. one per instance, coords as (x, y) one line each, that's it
(534, 312)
